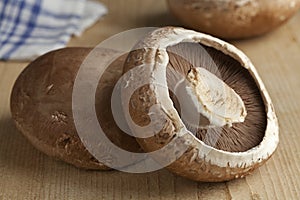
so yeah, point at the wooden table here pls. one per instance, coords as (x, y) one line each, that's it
(25, 173)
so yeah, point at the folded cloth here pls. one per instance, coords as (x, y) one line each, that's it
(29, 28)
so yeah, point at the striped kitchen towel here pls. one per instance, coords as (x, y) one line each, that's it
(29, 28)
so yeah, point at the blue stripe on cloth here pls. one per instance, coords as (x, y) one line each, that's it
(40, 42)
(4, 4)
(44, 11)
(47, 37)
(55, 15)
(10, 19)
(30, 27)
(6, 12)
(16, 23)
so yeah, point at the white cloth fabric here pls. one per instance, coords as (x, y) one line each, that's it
(30, 28)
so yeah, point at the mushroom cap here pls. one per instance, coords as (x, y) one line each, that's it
(198, 161)
(41, 106)
(234, 18)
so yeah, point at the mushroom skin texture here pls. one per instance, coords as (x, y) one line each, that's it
(199, 162)
(41, 106)
(233, 19)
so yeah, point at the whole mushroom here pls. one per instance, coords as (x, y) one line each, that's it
(41, 106)
(214, 113)
(233, 19)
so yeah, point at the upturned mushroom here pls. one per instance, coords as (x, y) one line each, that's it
(215, 114)
(41, 106)
(233, 18)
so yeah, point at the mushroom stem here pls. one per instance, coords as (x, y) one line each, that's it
(214, 99)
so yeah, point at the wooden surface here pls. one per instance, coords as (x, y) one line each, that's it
(26, 173)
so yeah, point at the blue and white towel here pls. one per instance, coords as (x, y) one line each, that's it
(29, 28)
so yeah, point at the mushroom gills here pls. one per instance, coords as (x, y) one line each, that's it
(217, 99)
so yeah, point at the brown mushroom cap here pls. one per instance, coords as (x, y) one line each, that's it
(41, 106)
(239, 149)
(234, 18)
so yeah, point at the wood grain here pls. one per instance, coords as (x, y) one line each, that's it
(26, 173)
